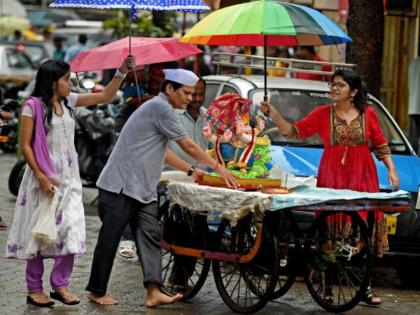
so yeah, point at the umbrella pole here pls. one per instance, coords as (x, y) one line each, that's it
(265, 67)
(129, 37)
(137, 84)
(265, 75)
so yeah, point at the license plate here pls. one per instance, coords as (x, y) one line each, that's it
(391, 224)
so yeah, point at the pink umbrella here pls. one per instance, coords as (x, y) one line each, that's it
(146, 50)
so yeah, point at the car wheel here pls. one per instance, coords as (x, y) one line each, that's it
(408, 272)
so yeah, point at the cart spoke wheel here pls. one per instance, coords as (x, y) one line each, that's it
(339, 260)
(287, 248)
(245, 288)
(183, 274)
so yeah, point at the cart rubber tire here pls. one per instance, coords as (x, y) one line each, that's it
(191, 271)
(263, 265)
(327, 257)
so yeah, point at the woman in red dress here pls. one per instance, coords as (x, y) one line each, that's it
(347, 128)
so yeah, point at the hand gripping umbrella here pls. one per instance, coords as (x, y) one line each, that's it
(266, 23)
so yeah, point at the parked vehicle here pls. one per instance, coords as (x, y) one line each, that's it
(294, 99)
(16, 69)
(9, 127)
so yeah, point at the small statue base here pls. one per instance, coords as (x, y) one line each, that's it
(245, 183)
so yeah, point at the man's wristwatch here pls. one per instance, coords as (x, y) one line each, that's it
(191, 170)
(119, 74)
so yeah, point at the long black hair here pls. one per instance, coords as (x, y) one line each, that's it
(355, 83)
(47, 77)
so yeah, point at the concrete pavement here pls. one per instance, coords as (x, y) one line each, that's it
(126, 280)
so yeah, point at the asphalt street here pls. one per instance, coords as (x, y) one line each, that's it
(126, 280)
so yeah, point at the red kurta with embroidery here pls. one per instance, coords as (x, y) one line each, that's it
(347, 162)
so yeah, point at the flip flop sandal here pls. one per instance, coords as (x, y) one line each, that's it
(60, 297)
(327, 296)
(371, 298)
(126, 249)
(3, 224)
(30, 300)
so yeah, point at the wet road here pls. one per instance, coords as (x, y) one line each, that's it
(126, 280)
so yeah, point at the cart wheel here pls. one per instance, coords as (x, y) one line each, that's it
(339, 260)
(246, 287)
(287, 249)
(183, 274)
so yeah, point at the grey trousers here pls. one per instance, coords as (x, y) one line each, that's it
(116, 211)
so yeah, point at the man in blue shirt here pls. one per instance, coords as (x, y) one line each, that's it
(76, 49)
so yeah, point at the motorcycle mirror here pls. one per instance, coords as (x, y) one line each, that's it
(88, 84)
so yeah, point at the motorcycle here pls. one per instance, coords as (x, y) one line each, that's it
(94, 140)
(9, 127)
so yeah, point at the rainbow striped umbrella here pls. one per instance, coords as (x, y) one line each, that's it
(266, 23)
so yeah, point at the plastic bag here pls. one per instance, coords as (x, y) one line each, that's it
(44, 228)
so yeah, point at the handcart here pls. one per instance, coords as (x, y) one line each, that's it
(256, 246)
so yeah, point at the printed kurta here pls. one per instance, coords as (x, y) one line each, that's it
(70, 220)
(347, 162)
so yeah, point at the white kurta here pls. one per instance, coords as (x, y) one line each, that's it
(70, 220)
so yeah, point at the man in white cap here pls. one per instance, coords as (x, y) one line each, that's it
(127, 185)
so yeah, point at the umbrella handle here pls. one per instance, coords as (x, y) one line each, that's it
(267, 113)
(129, 67)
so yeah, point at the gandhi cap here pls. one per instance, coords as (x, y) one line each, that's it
(181, 76)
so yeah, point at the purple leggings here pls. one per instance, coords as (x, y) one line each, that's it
(60, 273)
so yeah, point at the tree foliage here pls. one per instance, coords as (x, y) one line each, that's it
(147, 24)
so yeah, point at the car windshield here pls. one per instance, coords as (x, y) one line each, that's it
(295, 104)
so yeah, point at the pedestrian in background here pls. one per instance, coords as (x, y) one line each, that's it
(193, 119)
(309, 53)
(414, 103)
(47, 142)
(76, 49)
(346, 127)
(132, 101)
(60, 51)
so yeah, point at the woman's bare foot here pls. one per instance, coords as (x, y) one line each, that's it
(156, 297)
(102, 300)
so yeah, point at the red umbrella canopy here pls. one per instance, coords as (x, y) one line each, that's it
(146, 50)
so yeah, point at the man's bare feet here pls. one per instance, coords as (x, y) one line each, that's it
(156, 297)
(102, 300)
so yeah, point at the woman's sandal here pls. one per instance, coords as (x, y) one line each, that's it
(327, 296)
(3, 224)
(126, 249)
(61, 297)
(371, 298)
(30, 300)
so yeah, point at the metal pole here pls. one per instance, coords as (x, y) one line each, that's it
(265, 67)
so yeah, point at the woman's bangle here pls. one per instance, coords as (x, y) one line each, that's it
(119, 74)
(191, 170)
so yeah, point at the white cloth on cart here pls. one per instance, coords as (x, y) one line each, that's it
(304, 195)
(233, 204)
(236, 204)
